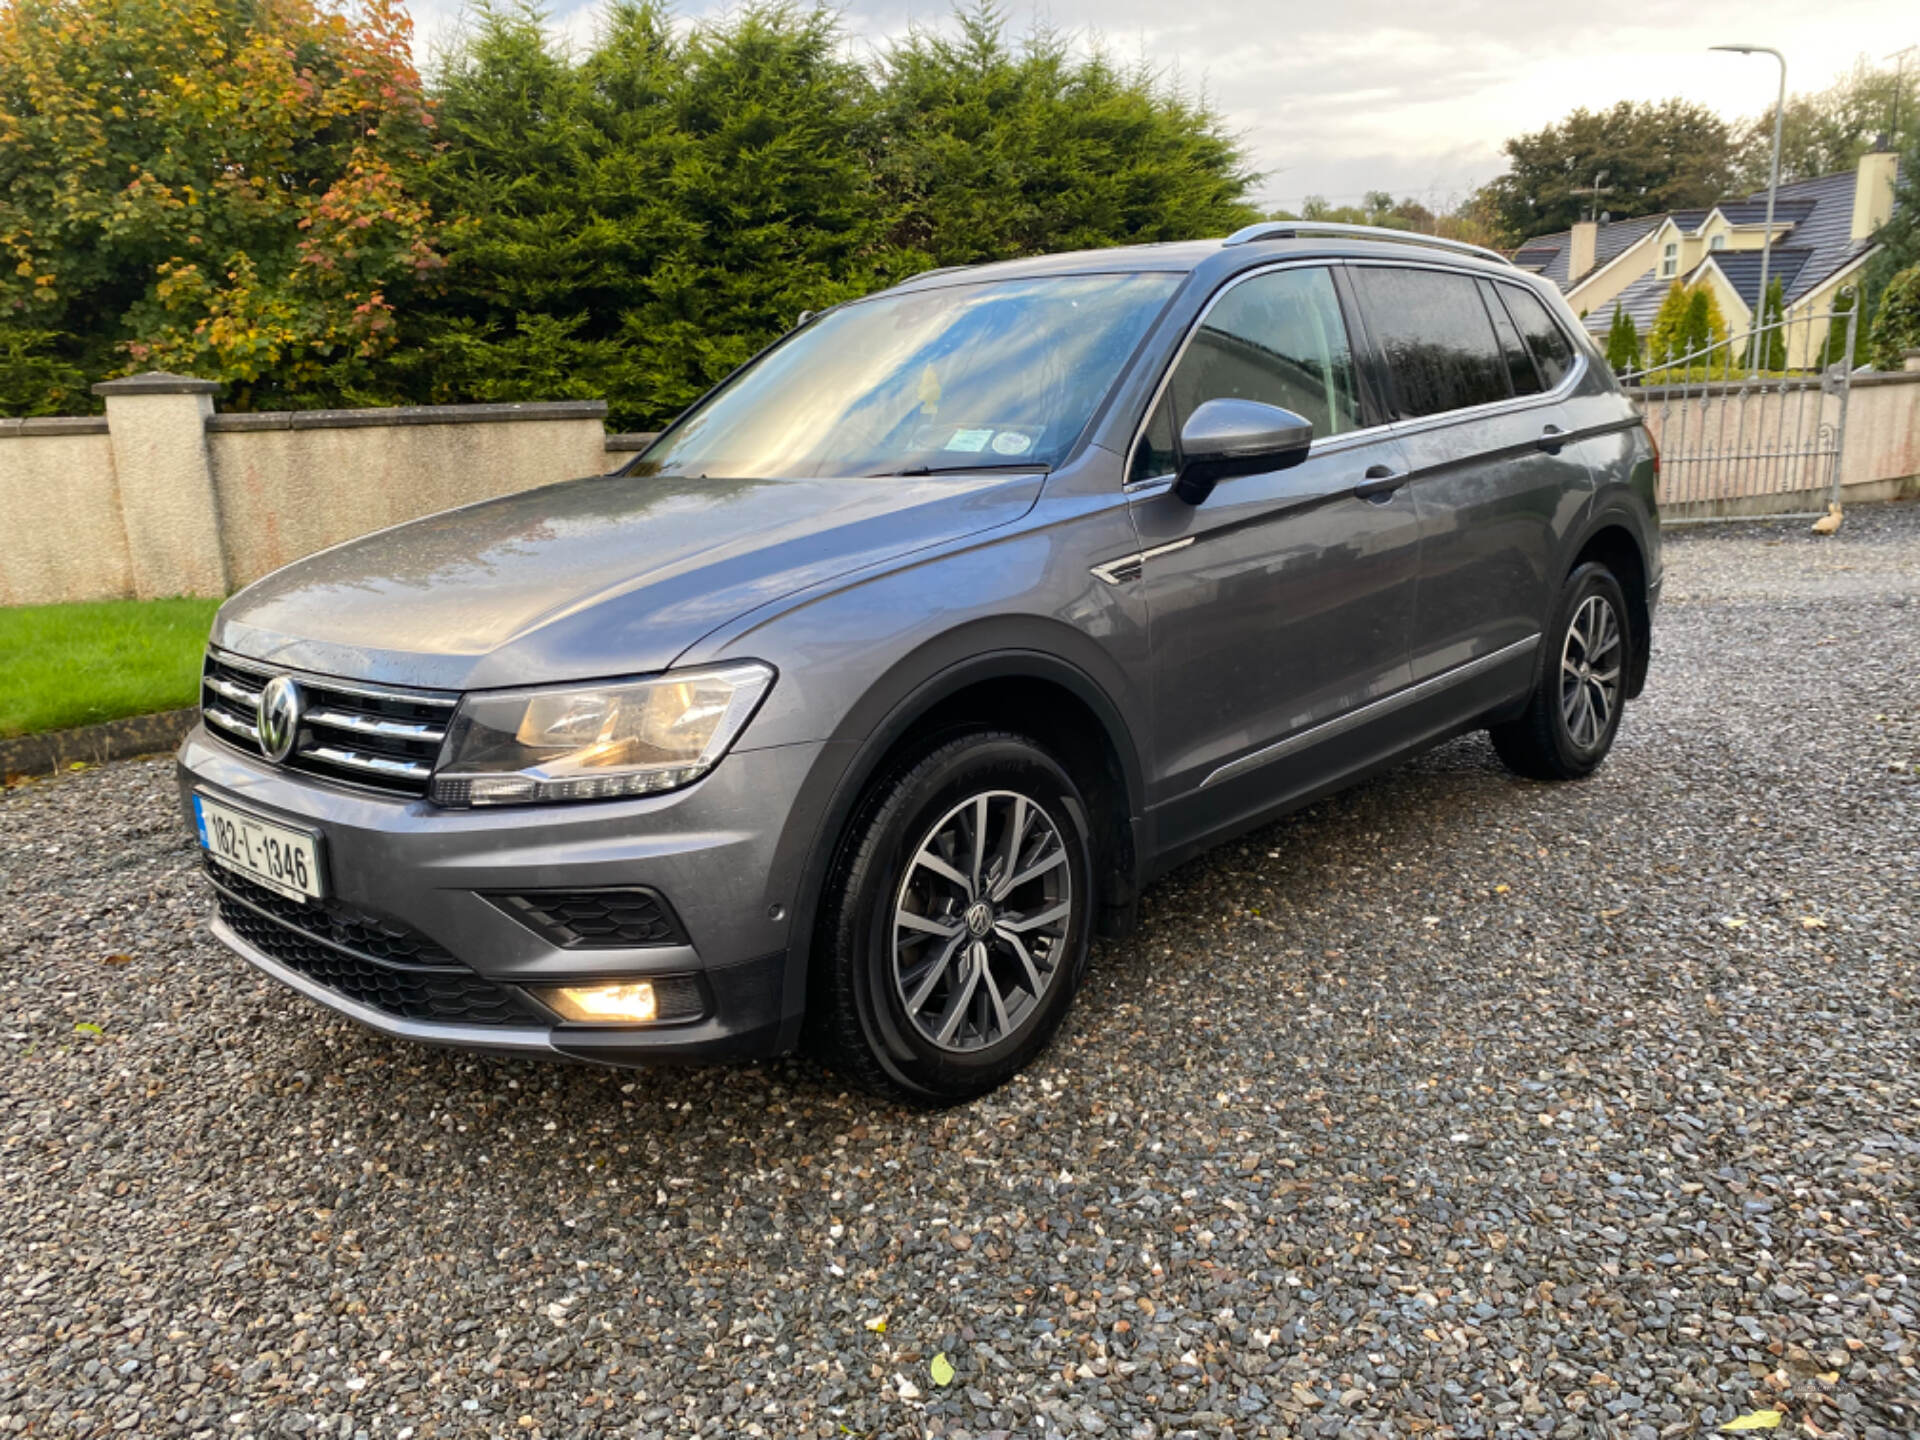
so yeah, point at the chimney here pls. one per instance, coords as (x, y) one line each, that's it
(1582, 245)
(1873, 192)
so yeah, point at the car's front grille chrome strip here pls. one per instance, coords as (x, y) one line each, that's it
(233, 725)
(371, 725)
(375, 737)
(239, 694)
(373, 764)
(1375, 710)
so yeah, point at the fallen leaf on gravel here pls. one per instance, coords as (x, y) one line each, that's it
(1732, 922)
(1755, 1420)
(941, 1369)
(117, 960)
(878, 1324)
(1813, 922)
(86, 1027)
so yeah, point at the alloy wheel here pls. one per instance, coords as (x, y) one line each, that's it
(1590, 659)
(981, 920)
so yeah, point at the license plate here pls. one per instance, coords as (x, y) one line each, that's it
(284, 860)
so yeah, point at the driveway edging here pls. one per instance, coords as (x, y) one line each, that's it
(52, 751)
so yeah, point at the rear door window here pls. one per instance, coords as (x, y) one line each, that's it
(1436, 338)
(1552, 351)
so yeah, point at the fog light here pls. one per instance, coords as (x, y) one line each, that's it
(628, 1000)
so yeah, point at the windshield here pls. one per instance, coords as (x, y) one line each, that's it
(1001, 373)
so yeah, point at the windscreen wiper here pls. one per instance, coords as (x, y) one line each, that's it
(960, 469)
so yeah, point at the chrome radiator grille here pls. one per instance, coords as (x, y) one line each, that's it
(373, 735)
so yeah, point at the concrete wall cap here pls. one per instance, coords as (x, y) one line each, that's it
(54, 425)
(157, 382)
(409, 415)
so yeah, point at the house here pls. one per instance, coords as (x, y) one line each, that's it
(1822, 238)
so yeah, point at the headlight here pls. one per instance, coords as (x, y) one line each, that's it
(595, 742)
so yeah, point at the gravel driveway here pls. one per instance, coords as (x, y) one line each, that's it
(1452, 1105)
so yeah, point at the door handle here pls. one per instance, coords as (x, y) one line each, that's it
(1551, 439)
(1380, 483)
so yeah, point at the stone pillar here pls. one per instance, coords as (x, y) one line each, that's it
(1910, 359)
(158, 427)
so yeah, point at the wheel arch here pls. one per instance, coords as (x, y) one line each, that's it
(1614, 541)
(943, 687)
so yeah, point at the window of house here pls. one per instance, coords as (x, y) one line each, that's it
(1718, 242)
(1669, 259)
(1547, 342)
(1436, 337)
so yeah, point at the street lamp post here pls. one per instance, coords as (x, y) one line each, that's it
(1773, 186)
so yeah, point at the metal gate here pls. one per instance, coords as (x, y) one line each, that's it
(1752, 425)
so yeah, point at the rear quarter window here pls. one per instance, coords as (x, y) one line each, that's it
(1552, 350)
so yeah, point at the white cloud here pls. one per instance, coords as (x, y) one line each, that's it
(1374, 95)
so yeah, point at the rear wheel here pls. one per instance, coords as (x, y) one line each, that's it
(1574, 712)
(955, 927)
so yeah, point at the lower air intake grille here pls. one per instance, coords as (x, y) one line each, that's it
(408, 992)
(626, 918)
(370, 936)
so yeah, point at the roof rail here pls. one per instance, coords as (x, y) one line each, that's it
(1295, 229)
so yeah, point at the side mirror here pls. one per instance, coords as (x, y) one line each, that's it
(1224, 438)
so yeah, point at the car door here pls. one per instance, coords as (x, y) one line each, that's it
(1490, 475)
(1284, 600)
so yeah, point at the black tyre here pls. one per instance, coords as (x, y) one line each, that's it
(956, 923)
(1574, 711)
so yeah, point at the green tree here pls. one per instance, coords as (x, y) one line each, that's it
(1702, 324)
(1830, 130)
(637, 222)
(1896, 321)
(1623, 343)
(209, 185)
(1899, 238)
(1666, 338)
(992, 149)
(1773, 328)
(1657, 156)
(38, 375)
(1837, 326)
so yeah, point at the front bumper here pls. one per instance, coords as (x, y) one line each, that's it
(713, 850)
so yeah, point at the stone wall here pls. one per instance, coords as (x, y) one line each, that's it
(164, 496)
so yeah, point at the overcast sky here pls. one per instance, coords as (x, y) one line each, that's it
(1337, 99)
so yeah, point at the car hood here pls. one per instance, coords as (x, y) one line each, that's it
(613, 575)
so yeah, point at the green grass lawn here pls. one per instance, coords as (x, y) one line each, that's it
(66, 665)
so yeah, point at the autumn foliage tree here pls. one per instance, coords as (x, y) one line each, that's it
(214, 186)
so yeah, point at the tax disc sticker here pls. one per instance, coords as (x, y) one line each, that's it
(1011, 442)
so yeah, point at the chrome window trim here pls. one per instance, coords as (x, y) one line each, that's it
(1575, 373)
(1319, 446)
(1332, 444)
(1374, 710)
(441, 699)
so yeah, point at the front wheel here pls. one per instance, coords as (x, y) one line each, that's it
(956, 926)
(1574, 711)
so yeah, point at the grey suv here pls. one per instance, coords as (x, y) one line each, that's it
(851, 710)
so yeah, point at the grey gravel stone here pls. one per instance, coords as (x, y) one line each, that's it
(1453, 1105)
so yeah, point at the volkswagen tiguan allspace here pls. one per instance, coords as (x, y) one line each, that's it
(848, 713)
